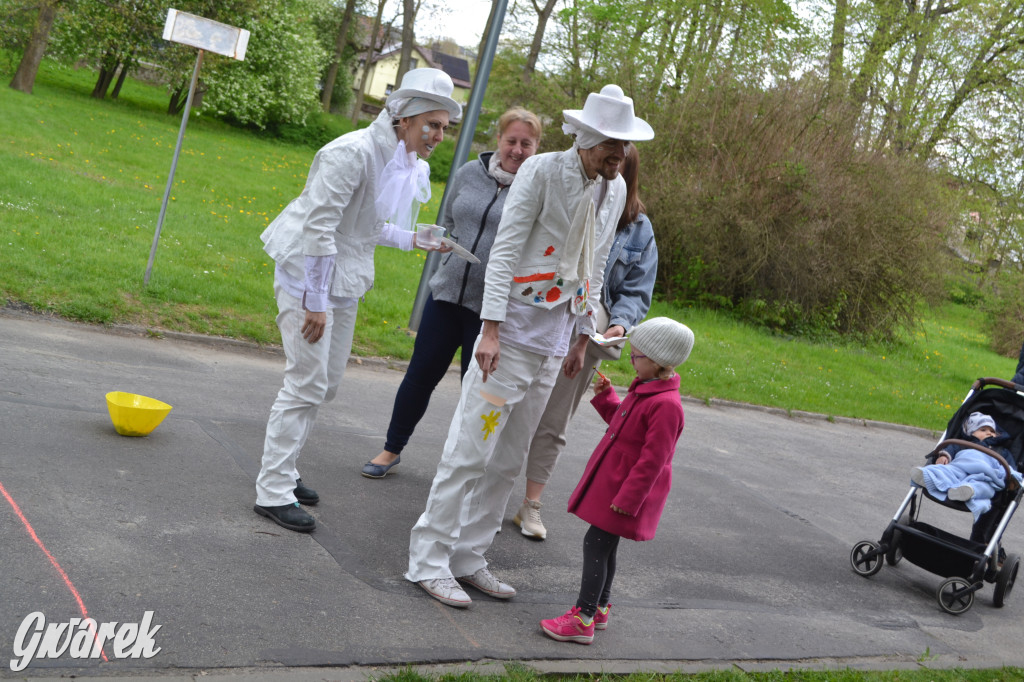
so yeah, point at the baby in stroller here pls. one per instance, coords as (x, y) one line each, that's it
(966, 475)
(992, 414)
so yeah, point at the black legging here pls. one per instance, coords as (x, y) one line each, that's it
(446, 327)
(599, 548)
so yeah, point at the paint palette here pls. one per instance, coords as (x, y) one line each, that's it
(602, 340)
(460, 251)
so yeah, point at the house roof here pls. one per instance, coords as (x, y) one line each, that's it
(385, 34)
(456, 67)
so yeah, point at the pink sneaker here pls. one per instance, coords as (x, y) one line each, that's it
(569, 628)
(601, 617)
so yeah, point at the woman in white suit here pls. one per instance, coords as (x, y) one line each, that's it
(363, 189)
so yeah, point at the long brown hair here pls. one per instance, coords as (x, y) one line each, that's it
(631, 174)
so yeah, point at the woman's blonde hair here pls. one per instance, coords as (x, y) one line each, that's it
(519, 114)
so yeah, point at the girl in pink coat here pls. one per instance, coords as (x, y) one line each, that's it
(626, 482)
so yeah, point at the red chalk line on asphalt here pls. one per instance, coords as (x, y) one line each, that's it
(63, 575)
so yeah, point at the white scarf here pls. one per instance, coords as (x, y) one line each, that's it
(577, 261)
(586, 138)
(498, 173)
(404, 185)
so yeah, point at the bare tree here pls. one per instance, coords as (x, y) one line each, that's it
(25, 76)
(339, 49)
(836, 47)
(1005, 39)
(409, 10)
(486, 34)
(543, 14)
(371, 50)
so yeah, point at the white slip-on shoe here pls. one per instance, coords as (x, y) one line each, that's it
(485, 581)
(528, 518)
(447, 591)
(917, 476)
(961, 493)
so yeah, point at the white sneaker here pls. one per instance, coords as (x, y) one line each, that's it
(961, 493)
(485, 581)
(447, 591)
(528, 518)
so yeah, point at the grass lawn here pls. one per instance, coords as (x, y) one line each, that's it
(80, 195)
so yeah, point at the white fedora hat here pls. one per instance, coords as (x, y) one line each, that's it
(610, 113)
(432, 84)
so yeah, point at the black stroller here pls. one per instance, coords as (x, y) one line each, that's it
(965, 563)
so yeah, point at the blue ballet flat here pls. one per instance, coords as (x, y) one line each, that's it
(371, 470)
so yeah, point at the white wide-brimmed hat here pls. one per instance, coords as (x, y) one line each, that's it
(610, 113)
(432, 84)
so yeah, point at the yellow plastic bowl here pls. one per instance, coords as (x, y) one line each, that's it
(135, 415)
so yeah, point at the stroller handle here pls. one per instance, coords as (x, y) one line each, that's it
(1011, 482)
(994, 381)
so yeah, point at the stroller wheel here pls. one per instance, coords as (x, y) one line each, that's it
(895, 553)
(866, 558)
(955, 596)
(1004, 579)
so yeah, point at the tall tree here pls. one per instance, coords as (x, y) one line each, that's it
(409, 10)
(339, 49)
(837, 45)
(919, 63)
(373, 43)
(543, 15)
(111, 35)
(491, 16)
(996, 62)
(278, 81)
(25, 77)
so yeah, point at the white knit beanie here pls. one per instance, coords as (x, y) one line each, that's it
(663, 340)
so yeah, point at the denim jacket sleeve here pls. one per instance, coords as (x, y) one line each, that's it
(630, 274)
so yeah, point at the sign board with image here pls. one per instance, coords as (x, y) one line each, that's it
(206, 34)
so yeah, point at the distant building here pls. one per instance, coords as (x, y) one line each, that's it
(384, 70)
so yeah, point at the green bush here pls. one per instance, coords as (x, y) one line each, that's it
(441, 160)
(1006, 317)
(960, 289)
(763, 203)
(319, 129)
(15, 30)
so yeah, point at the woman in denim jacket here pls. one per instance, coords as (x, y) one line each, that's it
(626, 297)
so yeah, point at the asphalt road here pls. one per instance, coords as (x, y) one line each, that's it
(750, 567)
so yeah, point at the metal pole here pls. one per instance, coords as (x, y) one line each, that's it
(174, 165)
(466, 132)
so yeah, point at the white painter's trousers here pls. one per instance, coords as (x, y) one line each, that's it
(312, 374)
(482, 457)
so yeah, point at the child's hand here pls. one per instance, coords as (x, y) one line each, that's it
(620, 511)
(602, 384)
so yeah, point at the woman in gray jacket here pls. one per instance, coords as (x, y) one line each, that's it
(452, 311)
